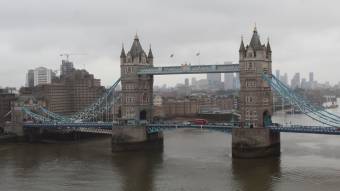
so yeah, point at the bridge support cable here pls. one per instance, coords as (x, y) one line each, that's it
(35, 116)
(307, 108)
(308, 111)
(98, 107)
(304, 106)
(306, 102)
(54, 115)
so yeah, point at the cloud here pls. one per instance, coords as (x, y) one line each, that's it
(304, 34)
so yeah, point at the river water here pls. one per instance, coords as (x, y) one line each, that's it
(192, 160)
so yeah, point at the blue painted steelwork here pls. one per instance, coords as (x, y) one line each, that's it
(318, 114)
(190, 69)
(35, 116)
(306, 129)
(54, 116)
(104, 125)
(98, 107)
(153, 128)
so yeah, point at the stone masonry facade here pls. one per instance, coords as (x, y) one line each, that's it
(136, 101)
(256, 100)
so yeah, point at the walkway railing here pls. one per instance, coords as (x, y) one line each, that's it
(191, 69)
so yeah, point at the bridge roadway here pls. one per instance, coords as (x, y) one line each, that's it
(191, 69)
(100, 128)
(106, 127)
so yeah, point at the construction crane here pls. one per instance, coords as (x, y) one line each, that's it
(67, 55)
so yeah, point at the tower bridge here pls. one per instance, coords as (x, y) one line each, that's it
(255, 135)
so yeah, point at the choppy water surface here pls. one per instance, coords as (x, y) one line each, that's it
(192, 160)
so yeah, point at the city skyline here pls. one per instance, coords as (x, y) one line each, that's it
(35, 34)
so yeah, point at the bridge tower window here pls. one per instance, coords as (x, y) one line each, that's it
(250, 83)
(250, 66)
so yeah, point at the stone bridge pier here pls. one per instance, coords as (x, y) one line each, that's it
(253, 140)
(255, 143)
(133, 138)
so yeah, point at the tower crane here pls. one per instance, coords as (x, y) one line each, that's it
(67, 55)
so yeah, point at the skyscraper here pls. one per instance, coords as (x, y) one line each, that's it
(228, 81)
(295, 82)
(311, 77)
(304, 83)
(311, 80)
(277, 74)
(186, 82)
(214, 80)
(236, 81)
(285, 79)
(194, 82)
(30, 78)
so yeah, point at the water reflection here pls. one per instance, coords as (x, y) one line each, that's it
(256, 174)
(137, 169)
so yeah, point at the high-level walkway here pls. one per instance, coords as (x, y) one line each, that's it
(191, 69)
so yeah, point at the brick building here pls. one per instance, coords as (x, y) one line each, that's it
(6, 99)
(70, 93)
(191, 106)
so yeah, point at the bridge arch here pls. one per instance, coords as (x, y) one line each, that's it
(266, 118)
(142, 115)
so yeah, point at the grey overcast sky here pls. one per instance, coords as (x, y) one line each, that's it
(304, 34)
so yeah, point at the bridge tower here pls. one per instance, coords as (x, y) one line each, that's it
(255, 94)
(137, 89)
(256, 102)
(136, 103)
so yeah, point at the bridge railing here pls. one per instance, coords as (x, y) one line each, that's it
(190, 69)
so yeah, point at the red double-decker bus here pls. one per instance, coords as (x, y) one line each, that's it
(200, 122)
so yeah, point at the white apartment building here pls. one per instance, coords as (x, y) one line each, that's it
(42, 75)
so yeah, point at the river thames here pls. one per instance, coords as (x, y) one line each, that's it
(192, 160)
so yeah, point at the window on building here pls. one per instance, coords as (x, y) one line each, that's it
(250, 83)
(247, 115)
(250, 99)
(265, 70)
(130, 99)
(254, 115)
(265, 101)
(250, 66)
(128, 69)
(130, 112)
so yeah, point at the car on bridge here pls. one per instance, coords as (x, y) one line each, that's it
(186, 123)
